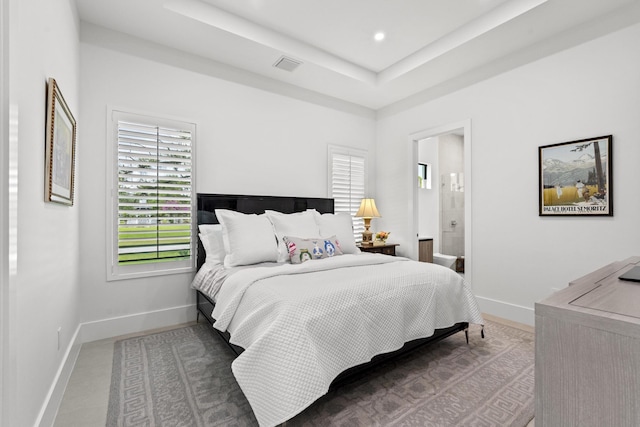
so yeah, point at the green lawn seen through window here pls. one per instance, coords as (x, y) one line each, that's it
(138, 244)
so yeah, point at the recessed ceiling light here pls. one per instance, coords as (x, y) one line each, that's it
(379, 36)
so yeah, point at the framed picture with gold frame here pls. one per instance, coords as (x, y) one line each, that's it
(575, 178)
(60, 148)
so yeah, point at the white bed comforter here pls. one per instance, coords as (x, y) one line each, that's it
(301, 325)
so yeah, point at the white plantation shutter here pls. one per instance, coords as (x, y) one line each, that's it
(152, 195)
(347, 183)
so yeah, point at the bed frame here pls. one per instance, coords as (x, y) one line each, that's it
(208, 203)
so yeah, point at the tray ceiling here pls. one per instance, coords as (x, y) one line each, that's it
(430, 46)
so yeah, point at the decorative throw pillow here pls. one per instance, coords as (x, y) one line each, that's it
(293, 224)
(341, 226)
(213, 243)
(301, 250)
(248, 238)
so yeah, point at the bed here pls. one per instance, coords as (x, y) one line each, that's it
(302, 308)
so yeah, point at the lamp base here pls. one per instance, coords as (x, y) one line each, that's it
(367, 238)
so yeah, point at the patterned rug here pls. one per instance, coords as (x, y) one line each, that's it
(183, 377)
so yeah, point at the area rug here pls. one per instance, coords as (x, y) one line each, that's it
(183, 377)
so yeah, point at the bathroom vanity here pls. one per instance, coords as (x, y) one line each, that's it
(425, 249)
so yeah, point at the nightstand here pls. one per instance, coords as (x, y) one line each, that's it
(386, 249)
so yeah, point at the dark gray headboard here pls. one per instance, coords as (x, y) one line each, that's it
(208, 203)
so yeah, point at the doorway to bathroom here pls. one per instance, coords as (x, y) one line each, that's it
(441, 196)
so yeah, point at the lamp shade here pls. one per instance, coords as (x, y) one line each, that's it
(368, 209)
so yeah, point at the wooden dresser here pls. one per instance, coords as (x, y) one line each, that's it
(587, 369)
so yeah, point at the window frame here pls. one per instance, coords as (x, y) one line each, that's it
(333, 150)
(115, 271)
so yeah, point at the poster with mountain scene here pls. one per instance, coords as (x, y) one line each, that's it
(575, 178)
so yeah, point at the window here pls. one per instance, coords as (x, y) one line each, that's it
(424, 175)
(347, 177)
(151, 196)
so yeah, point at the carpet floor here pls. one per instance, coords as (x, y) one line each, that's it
(183, 377)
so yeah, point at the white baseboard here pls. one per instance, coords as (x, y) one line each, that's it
(139, 322)
(513, 312)
(53, 400)
(101, 329)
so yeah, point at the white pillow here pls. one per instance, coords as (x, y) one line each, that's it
(213, 243)
(248, 238)
(341, 226)
(302, 224)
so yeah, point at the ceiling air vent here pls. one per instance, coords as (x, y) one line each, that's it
(287, 64)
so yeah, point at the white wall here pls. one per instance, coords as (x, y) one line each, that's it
(249, 141)
(587, 91)
(6, 380)
(44, 43)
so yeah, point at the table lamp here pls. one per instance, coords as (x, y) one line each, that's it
(367, 211)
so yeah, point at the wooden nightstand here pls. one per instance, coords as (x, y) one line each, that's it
(386, 249)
